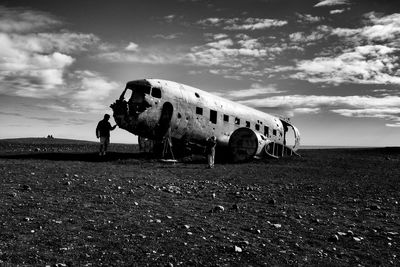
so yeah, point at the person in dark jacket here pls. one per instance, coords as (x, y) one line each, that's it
(210, 151)
(103, 132)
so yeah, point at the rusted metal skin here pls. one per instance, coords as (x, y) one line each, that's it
(159, 107)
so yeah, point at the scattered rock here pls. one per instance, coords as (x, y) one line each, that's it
(235, 207)
(26, 187)
(238, 249)
(218, 208)
(173, 189)
(374, 207)
(333, 238)
(350, 233)
(244, 243)
(316, 220)
(277, 225)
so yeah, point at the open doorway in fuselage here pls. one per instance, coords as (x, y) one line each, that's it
(165, 120)
(288, 134)
(290, 137)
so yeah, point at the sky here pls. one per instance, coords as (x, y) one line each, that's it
(330, 65)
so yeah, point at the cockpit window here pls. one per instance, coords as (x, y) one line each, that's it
(127, 95)
(156, 92)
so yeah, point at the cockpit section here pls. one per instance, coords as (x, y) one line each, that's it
(136, 108)
(136, 96)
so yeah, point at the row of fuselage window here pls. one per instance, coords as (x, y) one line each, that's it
(214, 115)
(156, 92)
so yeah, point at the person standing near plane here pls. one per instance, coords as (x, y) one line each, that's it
(210, 151)
(103, 132)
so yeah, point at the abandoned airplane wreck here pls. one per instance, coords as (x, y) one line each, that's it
(160, 111)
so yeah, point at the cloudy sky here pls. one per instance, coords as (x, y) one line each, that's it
(331, 65)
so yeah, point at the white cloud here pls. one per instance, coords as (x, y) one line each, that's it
(393, 124)
(301, 37)
(91, 89)
(385, 28)
(34, 64)
(22, 20)
(132, 47)
(331, 3)
(219, 36)
(25, 72)
(210, 21)
(336, 11)
(308, 18)
(380, 28)
(167, 36)
(240, 51)
(388, 114)
(221, 44)
(144, 56)
(65, 42)
(383, 113)
(170, 18)
(249, 24)
(37, 64)
(255, 90)
(237, 52)
(386, 108)
(253, 24)
(370, 64)
(306, 110)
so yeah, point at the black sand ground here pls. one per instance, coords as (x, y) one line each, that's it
(62, 205)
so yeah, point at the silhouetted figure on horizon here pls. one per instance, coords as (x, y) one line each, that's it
(103, 132)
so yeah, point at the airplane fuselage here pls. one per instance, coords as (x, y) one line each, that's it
(153, 108)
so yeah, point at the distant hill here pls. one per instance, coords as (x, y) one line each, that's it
(43, 140)
(57, 145)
